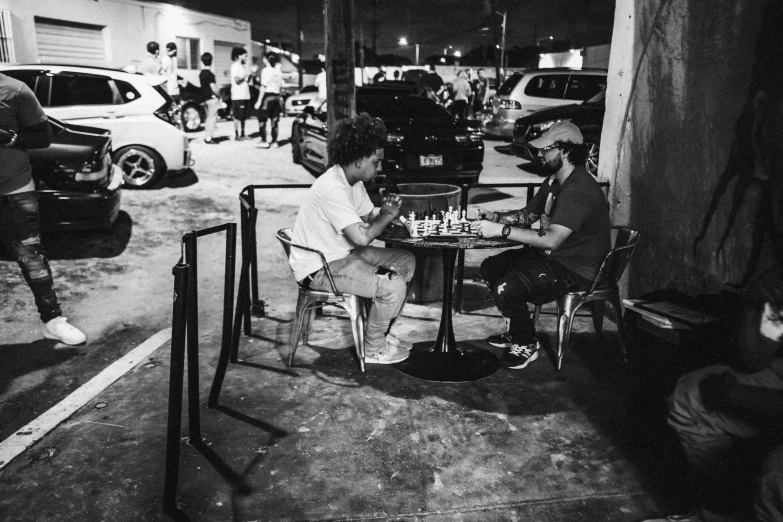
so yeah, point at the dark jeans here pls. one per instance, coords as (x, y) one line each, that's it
(525, 275)
(270, 110)
(20, 233)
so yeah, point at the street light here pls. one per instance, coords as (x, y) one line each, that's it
(404, 42)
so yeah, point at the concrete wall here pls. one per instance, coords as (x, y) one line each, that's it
(680, 77)
(129, 25)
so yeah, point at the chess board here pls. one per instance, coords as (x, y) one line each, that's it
(439, 230)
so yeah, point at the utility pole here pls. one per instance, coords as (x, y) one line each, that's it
(375, 23)
(338, 37)
(502, 45)
(299, 40)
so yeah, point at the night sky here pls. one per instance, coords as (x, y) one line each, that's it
(434, 24)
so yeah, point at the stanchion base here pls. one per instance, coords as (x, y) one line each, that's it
(257, 308)
(461, 365)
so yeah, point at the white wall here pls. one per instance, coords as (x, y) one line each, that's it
(129, 25)
(564, 59)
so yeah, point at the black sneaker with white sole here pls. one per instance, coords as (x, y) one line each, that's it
(519, 356)
(500, 340)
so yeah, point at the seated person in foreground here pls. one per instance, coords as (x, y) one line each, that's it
(572, 241)
(338, 218)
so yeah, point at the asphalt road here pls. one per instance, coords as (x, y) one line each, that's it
(116, 285)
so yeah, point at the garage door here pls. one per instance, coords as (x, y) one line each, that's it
(222, 62)
(68, 42)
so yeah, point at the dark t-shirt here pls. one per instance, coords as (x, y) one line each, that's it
(580, 206)
(434, 81)
(206, 78)
(19, 109)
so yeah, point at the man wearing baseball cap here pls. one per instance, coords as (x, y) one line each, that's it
(563, 255)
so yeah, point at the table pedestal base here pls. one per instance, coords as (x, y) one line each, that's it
(445, 362)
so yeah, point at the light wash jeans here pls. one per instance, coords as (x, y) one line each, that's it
(211, 107)
(353, 274)
(708, 438)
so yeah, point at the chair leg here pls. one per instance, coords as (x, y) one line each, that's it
(618, 311)
(301, 312)
(357, 325)
(598, 307)
(565, 319)
(309, 319)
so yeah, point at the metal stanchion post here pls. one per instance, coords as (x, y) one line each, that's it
(191, 258)
(228, 308)
(176, 376)
(256, 304)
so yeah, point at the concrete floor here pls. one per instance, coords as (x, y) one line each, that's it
(322, 441)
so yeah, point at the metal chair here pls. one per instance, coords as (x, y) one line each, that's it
(309, 300)
(604, 288)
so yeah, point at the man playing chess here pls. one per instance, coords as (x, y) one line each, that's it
(563, 255)
(338, 218)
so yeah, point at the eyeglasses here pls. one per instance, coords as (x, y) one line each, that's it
(544, 149)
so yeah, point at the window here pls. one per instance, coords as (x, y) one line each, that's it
(81, 90)
(583, 87)
(547, 86)
(187, 53)
(509, 84)
(6, 38)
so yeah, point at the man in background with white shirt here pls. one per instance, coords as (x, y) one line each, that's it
(240, 91)
(269, 104)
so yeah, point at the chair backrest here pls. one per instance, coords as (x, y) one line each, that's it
(613, 266)
(284, 236)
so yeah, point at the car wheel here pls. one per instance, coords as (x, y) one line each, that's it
(593, 143)
(191, 118)
(142, 167)
(296, 145)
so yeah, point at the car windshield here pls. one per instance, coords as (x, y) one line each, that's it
(509, 84)
(601, 96)
(402, 106)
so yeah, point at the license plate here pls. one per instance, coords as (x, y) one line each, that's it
(431, 161)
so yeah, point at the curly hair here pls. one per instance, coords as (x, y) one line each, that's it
(356, 138)
(577, 152)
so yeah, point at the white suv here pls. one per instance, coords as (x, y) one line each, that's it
(534, 89)
(145, 132)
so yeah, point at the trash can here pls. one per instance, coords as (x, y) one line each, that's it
(427, 283)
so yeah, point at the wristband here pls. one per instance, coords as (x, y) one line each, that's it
(13, 139)
(506, 231)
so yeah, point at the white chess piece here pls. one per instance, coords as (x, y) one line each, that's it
(464, 216)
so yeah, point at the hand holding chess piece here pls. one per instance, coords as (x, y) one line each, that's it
(392, 204)
(483, 214)
(489, 229)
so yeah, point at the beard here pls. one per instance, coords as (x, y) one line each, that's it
(549, 168)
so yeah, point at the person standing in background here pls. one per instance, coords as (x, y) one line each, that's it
(169, 70)
(150, 66)
(480, 92)
(240, 91)
(269, 101)
(210, 96)
(23, 125)
(462, 93)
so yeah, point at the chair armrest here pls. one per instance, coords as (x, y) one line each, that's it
(325, 266)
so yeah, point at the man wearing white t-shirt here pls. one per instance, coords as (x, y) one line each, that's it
(320, 83)
(269, 105)
(338, 218)
(169, 70)
(240, 91)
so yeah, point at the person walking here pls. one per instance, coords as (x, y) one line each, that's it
(210, 98)
(240, 91)
(462, 93)
(23, 126)
(269, 104)
(169, 70)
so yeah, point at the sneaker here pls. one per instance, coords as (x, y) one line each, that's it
(262, 145)
(389, 354)
(519, 356)
(396, 341)
(500, 340)
(210, 141)
(275, 145)
(58, 328)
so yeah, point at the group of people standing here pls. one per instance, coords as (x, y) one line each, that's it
(464, 98)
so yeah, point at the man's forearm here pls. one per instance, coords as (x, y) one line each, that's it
(36, 137)
(517, 218)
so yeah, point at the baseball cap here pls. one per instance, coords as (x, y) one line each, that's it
(560, 131)
(171, 46)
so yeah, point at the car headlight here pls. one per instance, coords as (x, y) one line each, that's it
(396, 138)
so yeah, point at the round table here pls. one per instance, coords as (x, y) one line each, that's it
(445, 361)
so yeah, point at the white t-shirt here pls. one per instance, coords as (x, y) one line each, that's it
(320, 82)
(331, 205)
(169, 70)
(239, 91)
(271, 80)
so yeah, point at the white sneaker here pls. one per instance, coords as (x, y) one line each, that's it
(396, 341)
(58, 328)
(262, 145)
(389, 354)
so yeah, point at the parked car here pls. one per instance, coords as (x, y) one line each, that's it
(77, 184)
(143, 120)
(528, 91)
(296, 103)
(425, 143)
(588, 116)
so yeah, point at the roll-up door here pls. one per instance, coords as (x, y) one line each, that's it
(69, 42)
(222, 62)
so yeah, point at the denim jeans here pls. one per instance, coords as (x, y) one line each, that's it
(19, 228)
(271, 109)
(353, 274)
(525, 275)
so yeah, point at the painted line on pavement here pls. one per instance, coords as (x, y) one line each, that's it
(17, 443)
